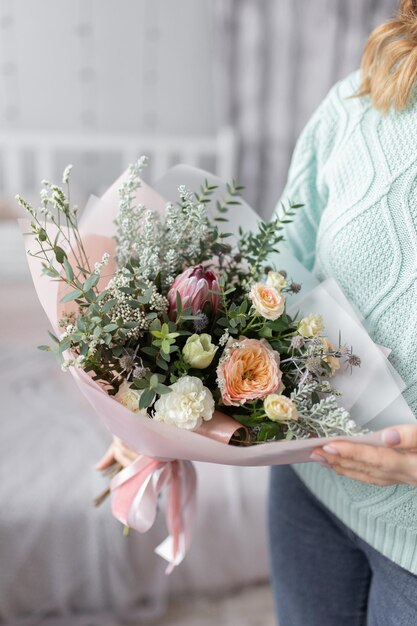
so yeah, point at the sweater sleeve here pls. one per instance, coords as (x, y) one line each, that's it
(305, 184)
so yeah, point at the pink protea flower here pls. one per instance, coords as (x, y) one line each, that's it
(195, 286)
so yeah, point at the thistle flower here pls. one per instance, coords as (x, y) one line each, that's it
(140, 371)
(354, 360)
(317, 342)
(313, 364)
(297, 342)
(195, 287)
(295, 287)
(200, 323)
(127, 362)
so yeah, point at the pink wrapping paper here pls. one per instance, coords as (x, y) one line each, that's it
(166, 451)
(148, 437)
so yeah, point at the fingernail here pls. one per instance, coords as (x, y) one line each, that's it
(320, 459)
(330, 450)
(391, 437)
(316, 457)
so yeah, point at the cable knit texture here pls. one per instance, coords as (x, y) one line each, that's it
(356, 172)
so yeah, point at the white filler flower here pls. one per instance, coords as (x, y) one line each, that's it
(187, 405)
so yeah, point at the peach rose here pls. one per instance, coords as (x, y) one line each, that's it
(248, 370)
(267, 301)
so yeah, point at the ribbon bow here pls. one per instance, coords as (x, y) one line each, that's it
(135, 492)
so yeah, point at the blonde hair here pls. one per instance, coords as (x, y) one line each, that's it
(389, 62)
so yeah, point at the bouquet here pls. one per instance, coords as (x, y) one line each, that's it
(172, 325)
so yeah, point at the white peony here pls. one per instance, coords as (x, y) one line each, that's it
(187, 405)
(128, 397)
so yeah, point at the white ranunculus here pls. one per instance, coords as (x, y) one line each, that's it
(187, 404)
(276, 280)
(199, 351)
(311, 326)
(128, 397)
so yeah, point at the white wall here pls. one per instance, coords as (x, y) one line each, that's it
(106, 65)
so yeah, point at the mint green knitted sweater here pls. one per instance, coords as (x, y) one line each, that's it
(356, 172)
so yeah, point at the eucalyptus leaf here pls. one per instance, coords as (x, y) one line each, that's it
(72, 295)
(108, 328)
(162, 363)
(146, 398)
(91, 281)
(154, 380)
(53, 337)
(64, 345)
(162, 389)
(60, 254)
(150, 351)
(107, 306)
(68, 269)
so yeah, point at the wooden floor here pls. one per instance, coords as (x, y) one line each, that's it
(250, 607)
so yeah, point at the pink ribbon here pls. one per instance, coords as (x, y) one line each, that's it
(135, 492)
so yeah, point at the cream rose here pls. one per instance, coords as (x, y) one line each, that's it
(199, 351)
(187, 405)
(280, 408)
(332, 361)
(276, 280)
(311, 326)
(267, 301)
(128, 397)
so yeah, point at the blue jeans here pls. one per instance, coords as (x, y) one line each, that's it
(325, 575)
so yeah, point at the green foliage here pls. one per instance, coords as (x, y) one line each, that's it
(256, 247)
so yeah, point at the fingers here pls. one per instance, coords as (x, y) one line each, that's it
(122, 453)
(345, 453)
(106, 460)
(380, 481)
(370, 464)
(404, 437)
(117, 452)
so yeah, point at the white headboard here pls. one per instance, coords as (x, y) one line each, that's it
(49, 152)
(28, 157)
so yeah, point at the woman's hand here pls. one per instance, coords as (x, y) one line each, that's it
(118, 452)
(394, 462)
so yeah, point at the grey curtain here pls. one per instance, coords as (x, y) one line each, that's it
(276, 60)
